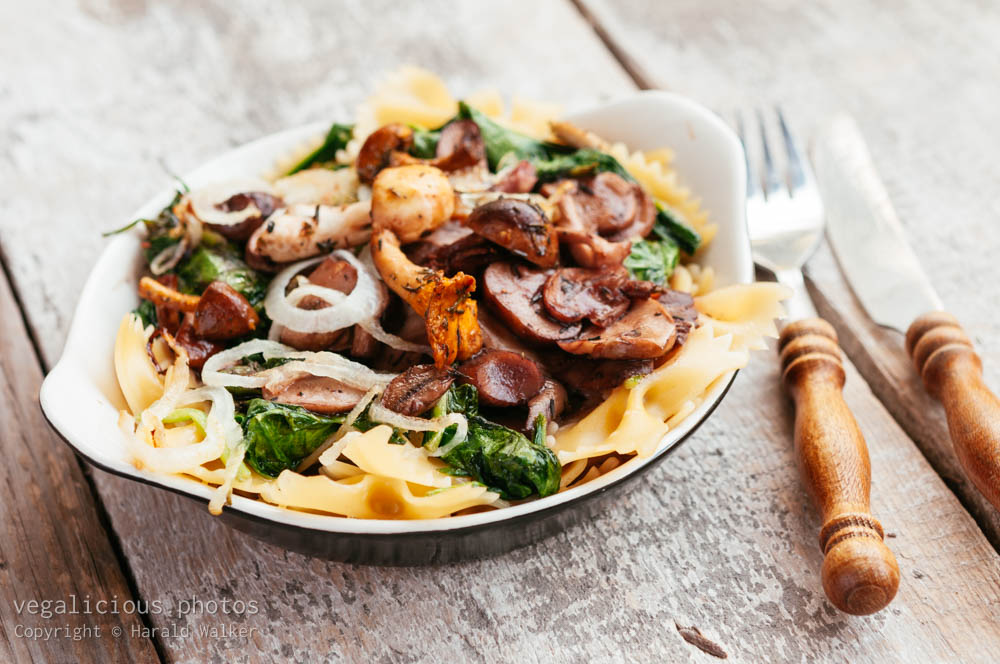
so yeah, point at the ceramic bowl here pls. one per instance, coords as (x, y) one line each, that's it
(81, 399)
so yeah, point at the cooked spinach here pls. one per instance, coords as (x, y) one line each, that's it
(221, 263)
(279, 437)
(670, 225)
(458, 399)
(146, 311)
(500, 141)
(579, 163)
(425, 142)
(505, 460)
(653, 260)
(336, 139)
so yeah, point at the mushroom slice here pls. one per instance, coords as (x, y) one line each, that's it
(378, 148)
(574, 293)
(445, 303)
(646, 331)
(514, 293)
(520, 227)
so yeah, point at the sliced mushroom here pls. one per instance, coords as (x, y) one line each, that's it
(596, 379)
(376, 152)
(263, 202)
(518, 226)
(300, 231)
(410, 200)
(550, 402)
(681, 308)
(586, 246)
(520, 179)
(234, 208)
(417, 389)
(503, 378)
(319, 394)
(514, 293)
(573, 294)
(223, 313)
(646, 331)
(460, 146)
(198, 349)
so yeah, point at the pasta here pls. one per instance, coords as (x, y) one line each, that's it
(345, 337)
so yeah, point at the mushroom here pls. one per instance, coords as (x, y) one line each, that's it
(377, 150)
(572, 294)
(514, 293)
(417, 389)
(300, 231)
(646, 331)
(518, 226)
(445, 303)
(409, 200)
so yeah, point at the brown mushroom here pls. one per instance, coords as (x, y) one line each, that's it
(518, 226)
(550, 402)
(316, 393)
(514, 293)
(521, 179)
(376, 152)
(417, 389)
(573, 294)
(330, 273)
(646, 331)
(503, 378)
(264, 202)
(223, 313)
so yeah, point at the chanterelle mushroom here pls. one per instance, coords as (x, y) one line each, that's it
(450, 314)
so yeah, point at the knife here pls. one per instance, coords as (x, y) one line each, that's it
(887, 278)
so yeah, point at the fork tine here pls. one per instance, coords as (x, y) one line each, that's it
(753, 178)
(797, 165)
(772, 183)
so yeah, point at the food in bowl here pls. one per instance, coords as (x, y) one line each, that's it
(433, 311)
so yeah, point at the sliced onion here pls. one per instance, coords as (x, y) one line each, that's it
(222, 492)
(379, 413)
(205, 201)
(374, 328)
(362, 304)
(322, 363)
(168, 258)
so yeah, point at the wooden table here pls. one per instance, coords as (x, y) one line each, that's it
(98, 99)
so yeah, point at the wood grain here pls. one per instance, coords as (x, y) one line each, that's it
(860, 574)
(953, 374)
(720, 537)
(920, 80)
(53, 545)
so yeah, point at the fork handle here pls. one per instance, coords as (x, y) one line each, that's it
(859, 572)
(953, 374)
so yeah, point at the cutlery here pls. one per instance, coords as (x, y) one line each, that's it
(785, 220)
(868, 240)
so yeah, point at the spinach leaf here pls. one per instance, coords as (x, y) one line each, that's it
(221, 263)
(670, 225)
(579, 163)
(425, 142)
(653, 260)
(500, 141)
(505, 461)
(160, 231)
(336, 139)
(146, 311)
(279, 437)
(458, 399)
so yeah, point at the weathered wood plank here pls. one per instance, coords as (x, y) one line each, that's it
(720, 537)
(53, 546)
(920, 79)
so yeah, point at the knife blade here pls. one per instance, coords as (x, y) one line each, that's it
(865, 233)
(884, 273)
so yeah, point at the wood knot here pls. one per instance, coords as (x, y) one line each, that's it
(847, 526)
(807, 346)
(935, 340)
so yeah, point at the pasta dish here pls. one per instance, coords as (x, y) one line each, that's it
(438, 309)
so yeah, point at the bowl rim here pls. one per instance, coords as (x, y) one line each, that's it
(259, 510)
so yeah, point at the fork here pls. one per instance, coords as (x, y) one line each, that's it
(785, 221)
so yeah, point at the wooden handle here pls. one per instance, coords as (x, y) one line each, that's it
(953, 374)
(859, 574)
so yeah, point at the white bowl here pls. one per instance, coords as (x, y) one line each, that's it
(81, 399)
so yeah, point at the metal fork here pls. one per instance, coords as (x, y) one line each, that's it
(784, 214)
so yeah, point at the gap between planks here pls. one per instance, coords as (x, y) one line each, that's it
(103, 519)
